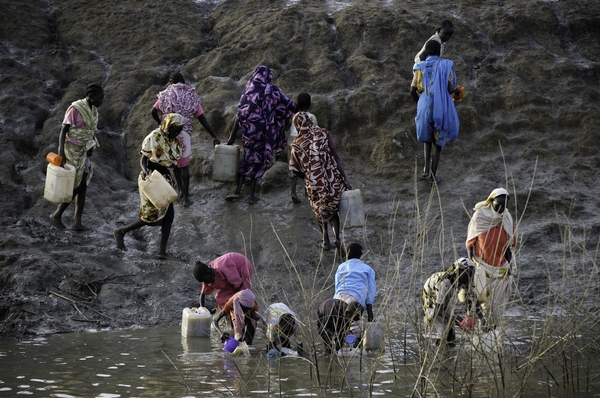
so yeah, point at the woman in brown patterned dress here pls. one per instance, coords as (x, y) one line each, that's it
(314, 158)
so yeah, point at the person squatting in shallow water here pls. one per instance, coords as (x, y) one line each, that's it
(242, 309)
(282, 326)
(434, 82)
(314, 158)
(334, 319)
(76, 143)
(440, 294)
(182, 99)
(490, 240)
(160, 151)
(355, 282)
(261, 116)
(227, 274)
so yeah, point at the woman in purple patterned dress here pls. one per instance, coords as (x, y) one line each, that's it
(262, 114)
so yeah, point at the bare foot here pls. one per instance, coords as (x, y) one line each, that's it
(324, 246)
(164, 256)
(79, 227)
(119, 238)
(56, 221)
(232, 197)
(187, 202)
(296, 199)
(253, 200)
(434, 180)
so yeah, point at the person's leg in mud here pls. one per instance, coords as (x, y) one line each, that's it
(79, 197)
(165, 232)
(177, 173)
(80, 204)
(56, 217)
(325, 243)
(293, 194)
(119, 233)
(185, 185)
(427, 154)
(327, 333)
(335, 226)
(437, 151)
(238, 190)
(253, 199)
(249, 329)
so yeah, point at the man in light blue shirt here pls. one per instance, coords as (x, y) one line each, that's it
(355, 281)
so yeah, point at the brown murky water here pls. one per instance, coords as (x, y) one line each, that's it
(160, 363)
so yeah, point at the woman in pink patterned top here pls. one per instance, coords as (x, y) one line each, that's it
(180, 98)
(227, 275)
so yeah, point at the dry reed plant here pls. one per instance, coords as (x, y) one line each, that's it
(554, 343)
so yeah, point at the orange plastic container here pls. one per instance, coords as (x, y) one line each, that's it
(54, 159)
(459, 97)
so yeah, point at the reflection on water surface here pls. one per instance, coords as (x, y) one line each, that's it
(160, 363)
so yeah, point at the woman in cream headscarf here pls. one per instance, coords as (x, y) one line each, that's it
(160, 151)
(490, 239)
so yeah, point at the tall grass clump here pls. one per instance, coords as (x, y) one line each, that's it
(547, 344)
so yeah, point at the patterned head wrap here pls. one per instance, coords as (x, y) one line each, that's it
(262, 75)
(242, 298)
(262, 113)
(464, 269)
(302, 122)
(172, 119)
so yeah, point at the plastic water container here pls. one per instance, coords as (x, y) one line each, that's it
(289, 352)
(350, 339)
(196, 322)
(241, 349)
(158, 190)
(351, 352)
(59, 183)
(230, 345)
(458, 97)
(467, 323)
(226, 163)
(54, 158)
(487, 341)
(352, 209)
(372, 336)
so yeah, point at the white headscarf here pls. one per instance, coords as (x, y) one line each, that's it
(486, 218)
